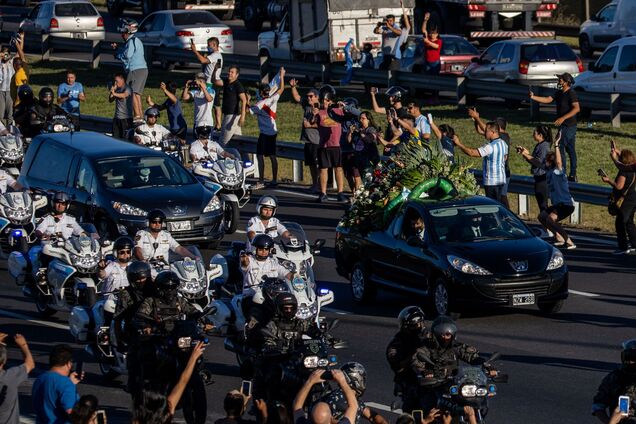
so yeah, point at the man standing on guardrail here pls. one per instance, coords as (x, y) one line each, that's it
(212, 65)
(132, 56)
(390, 31)
(6, 73)
(567, 107)
(20, 68)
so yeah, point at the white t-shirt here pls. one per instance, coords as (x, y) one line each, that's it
(67, 225)
(256, 270)
(6, 73)
(209, 67)
(422, 125)
(6, 180)
(200, 152)
(202, 108)
(164, 244)
(159, 132)
(265, 111)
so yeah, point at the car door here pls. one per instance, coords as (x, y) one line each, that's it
(625, 73)
(83, 191)
(507, 67)
(603, 78)
(606, 31)
(145, 27)
(383, 253)
(28, 24)
(156, 31)
(281, 48)
(413, 265)
(484, 69)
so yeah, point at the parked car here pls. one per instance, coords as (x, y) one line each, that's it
(525, 61)
(614, 21)
(457, 53)
(114, 184)
(613, 72)
(474, 251)
(64, 18)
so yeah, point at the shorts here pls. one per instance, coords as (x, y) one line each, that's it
(137, 80)
(217, 98)
(311, 154)
(562, 211)
(349, 165)
(329, 157)
(266, 145)
(229, 127)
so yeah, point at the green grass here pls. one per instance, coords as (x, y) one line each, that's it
(592, 143)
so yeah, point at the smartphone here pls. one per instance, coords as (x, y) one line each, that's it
(101, 417)
(601, 173)
(246, 388)
(519, 149)
(623, 405)
(79, 367)
(612, 144)
(418, 416)
(327, 375)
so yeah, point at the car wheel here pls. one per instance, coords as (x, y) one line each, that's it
(439, 299)
(362, 289)
(586, 49)
(550, 308)
(251, 17)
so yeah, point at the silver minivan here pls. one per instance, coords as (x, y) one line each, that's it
(525, 61)
(613, 72)
(65, 18)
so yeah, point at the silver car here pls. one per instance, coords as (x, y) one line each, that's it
(525, 61)
(64, 18)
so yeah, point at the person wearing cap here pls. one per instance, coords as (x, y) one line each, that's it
(205, 149)
(150, 132)
(202, 95)
(233, 95)
(308, 131)
(121, 94)
(265, 111)
(134, 61)
(567, 107)
(69, 96)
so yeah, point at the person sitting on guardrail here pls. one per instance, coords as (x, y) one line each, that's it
(390, 31)
(202, 95)
(172, 105)
(69, 96)
(150, 132)
(121, 94)
(211, 65)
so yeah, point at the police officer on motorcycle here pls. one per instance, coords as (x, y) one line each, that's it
(22, 112)
(155, 243)
(265, 222)
(411, 336)
(44, 110)
(114, 275)
(206, 149)
(58, 221)
(620, 382)
(150, 132)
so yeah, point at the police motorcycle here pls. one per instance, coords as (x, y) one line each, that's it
(70, 279)
(230, 174)
(468, 385)
(58, 123)
(18, 221)
(12, 151)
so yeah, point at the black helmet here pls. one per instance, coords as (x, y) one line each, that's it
(411, 318)
(156, 215)
(204, 131)
(152, 111)
(262, 241)
(46, 95)
(167, 286)
(628, 356)
(286, 305)
(441, 326)
(356, 377)
(327, 92)
(137, 271)
(272, 287)
(25, 93)
(123, 242)
(396, 92)
(127, 26)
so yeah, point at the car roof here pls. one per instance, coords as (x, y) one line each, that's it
(96, 146)
(457, 201)
(627, 40)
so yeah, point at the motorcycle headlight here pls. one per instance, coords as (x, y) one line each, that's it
(310, 362)
(466, 267)
(306, 312)
(58, 128)
(126, 209)
(481, 392)
(184, 342)
(213, 205)
(556, 261)
(468, 390)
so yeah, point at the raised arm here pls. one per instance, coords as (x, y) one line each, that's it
(374, 102)
(202, 59)
(557, 152)
(282, 81)
(175, 395)
(294, 90)
(540, 99)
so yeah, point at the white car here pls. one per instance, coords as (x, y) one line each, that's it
(614, 21)
(613, 72)
(176, 28)
(63, 18)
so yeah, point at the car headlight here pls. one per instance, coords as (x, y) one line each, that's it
(469, 390)
(213, 204)
(466, 267)
(556, 261)
(310, 362)
(126, 209)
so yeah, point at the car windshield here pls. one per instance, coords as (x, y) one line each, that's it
(460, 224)
(75, 9)
(194, 18)
(456, 46)
(141, 172)
(553, 52)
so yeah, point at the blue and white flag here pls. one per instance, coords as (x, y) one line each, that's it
(274, 84)
(348, 63)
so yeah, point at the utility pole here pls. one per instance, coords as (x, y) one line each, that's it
(587, 9)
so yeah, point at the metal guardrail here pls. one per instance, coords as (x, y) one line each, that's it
(522, 185)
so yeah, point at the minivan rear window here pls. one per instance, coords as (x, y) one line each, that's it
(75, 9)
(554, 52)
(194, 18)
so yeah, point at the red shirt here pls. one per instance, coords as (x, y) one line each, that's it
(330, 131)
(432, 55)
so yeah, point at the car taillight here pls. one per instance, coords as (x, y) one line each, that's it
(100, 22)
(579, 64)
(226, 32)
(523, 67)
(54, 23)
(547, 6)
(476, 8)
(185, 34)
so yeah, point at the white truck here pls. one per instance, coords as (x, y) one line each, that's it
(614, 21)
(318, 30)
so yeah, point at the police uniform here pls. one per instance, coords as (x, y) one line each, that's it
(115, 278)
(200, 152)
(274, 228)
(153, 248)
(67, 225)
(6, 180)
(148, 138)
(256, 270)
(615, 384)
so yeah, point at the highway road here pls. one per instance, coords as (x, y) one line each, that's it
(555, 363)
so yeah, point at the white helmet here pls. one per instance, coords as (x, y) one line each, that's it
(267, 201)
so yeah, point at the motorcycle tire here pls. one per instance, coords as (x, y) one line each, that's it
(194, 401)
(232, 217)
(42, 305)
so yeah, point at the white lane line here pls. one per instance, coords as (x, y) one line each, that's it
(335, 311)
(30, 319)
(383, 408)
(240, 231)
(586, 294)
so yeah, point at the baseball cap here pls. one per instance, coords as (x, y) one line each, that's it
(566, 77)
(200, 75)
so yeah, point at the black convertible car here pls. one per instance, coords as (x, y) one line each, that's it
(472, 250)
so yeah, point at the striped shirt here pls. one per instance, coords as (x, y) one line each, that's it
(494, 168)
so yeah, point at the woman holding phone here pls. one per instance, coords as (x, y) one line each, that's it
(543, 137)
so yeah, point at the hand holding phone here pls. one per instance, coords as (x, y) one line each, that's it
(246, 388)
(79, 367)
(601, 173)
(418, 416)
(101, 417)
(623, 405)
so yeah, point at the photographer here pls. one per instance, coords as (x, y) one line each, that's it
(202, 95)
(121, 94)
(390, 31)
(211, 64)
(321, 412)
(11, 378)
(365, 151)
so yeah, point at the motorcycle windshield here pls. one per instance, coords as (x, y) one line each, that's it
(297, 238)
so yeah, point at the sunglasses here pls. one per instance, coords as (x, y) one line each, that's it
(156, 222)
(311, 95)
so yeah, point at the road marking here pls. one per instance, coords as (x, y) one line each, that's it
(31, 319)
(586, 294)
(383, 408)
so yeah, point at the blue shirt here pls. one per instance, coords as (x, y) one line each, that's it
(53, 394)
(558, 187)
(132, 55)
(494, 162)
(72, 104)
(175, 115)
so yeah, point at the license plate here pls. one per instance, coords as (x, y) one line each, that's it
(179, 226)
(544, 14)
(523, 299)
(79, 35)
(512, 7)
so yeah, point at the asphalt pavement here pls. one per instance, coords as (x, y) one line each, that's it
(555, 363)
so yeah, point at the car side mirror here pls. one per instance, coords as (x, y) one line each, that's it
(315, 249)
(415, 241)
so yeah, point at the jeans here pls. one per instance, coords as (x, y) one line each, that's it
(568, 145)
(494, 192)
(541, 192)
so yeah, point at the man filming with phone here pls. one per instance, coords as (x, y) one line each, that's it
(321, 412)
(616, 387)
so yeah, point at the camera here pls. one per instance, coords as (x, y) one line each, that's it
(193, 85)
(327, 375)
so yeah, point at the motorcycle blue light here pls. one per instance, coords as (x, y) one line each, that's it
(247, 163)
(322, 292)
(16, 233)
(453, 390)
(492, 388)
